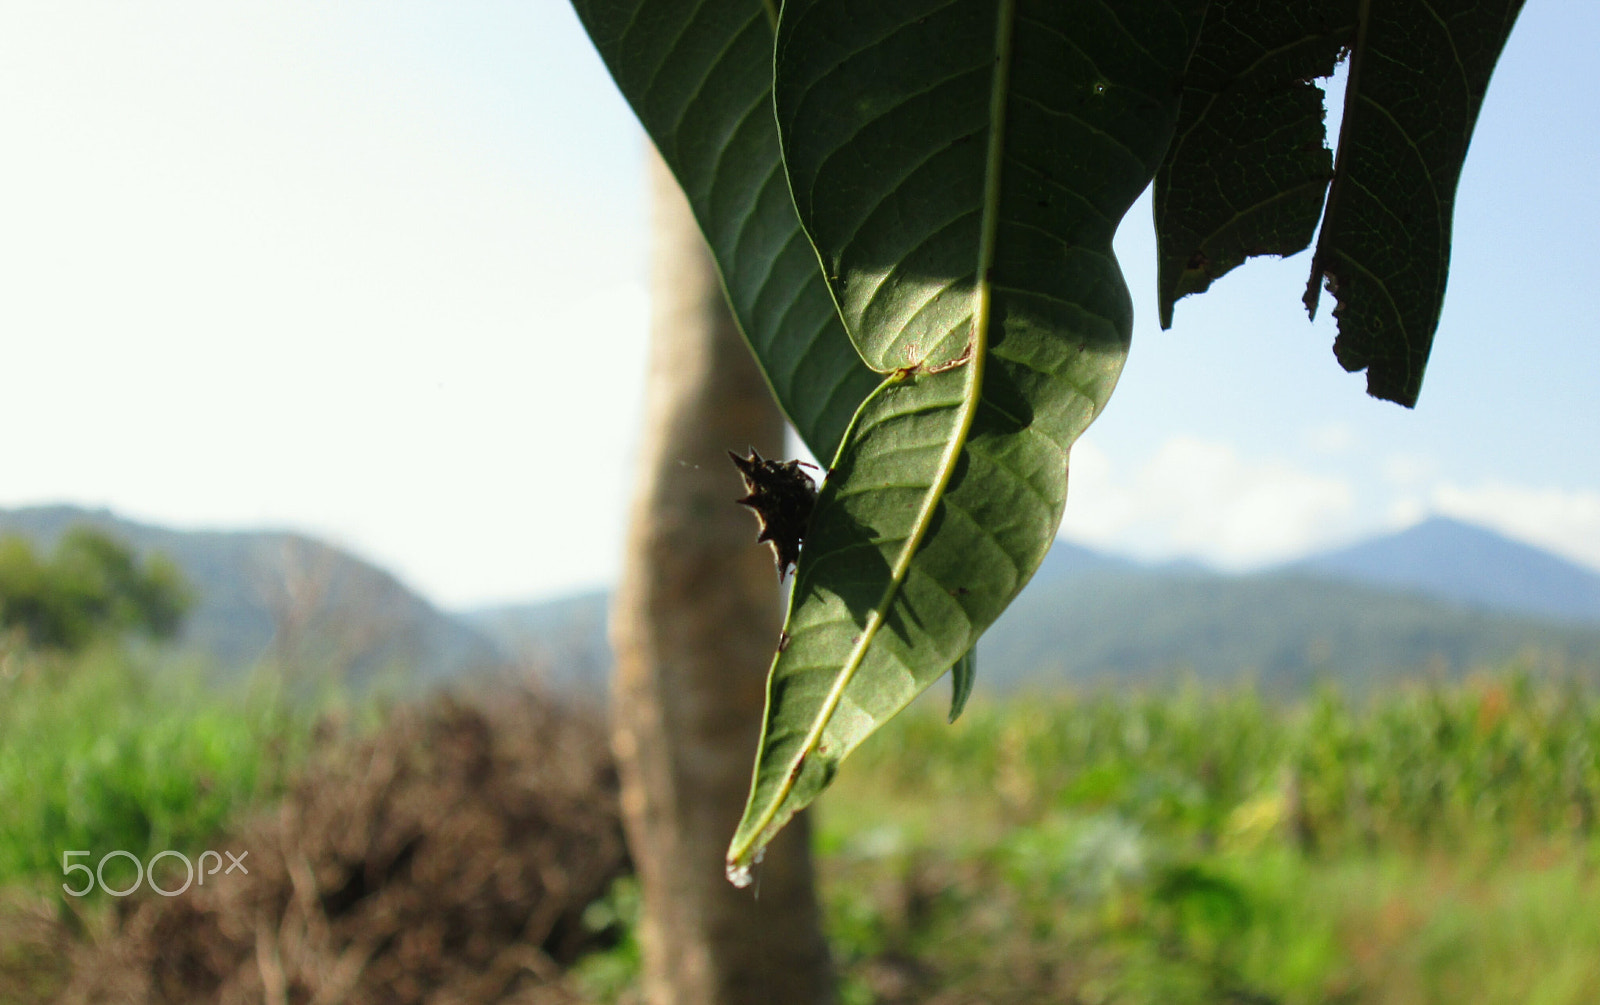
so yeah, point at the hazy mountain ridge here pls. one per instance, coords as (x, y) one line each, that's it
(1283, 629)
(273, 594)
(1458, 561)
(561, 642)
(1367, 613)
(1439, 594)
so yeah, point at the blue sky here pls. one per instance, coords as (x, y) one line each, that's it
(375, 271)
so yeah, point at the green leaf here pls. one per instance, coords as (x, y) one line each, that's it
(961, 168)
(698, 73)
(1417, 79)
(962, 677)
(1248, 166)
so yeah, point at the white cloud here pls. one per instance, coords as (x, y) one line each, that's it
(1408, 470)
(1405, 510)
(1199, 498)
(1564, 521)
(1331, 438)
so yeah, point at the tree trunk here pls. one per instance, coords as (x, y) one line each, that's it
(694, 624)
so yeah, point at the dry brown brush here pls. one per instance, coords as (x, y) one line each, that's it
(447, 860)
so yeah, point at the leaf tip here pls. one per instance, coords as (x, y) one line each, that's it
(740, 874)
(962, 678)
(1313, 294)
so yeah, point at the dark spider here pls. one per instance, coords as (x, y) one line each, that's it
(782, 496)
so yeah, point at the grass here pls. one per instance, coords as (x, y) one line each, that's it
(102, 752)
(121, 749)
(1433, 845)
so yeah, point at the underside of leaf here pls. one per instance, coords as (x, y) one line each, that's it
(961, 169)
(1248, 166)
(1417, 79)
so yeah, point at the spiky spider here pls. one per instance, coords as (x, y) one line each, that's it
(782, 496)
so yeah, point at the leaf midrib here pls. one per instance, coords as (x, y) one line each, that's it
(974, 367)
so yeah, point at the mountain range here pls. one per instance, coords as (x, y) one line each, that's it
(1442, 595)
(1456, 561)
(290, 599)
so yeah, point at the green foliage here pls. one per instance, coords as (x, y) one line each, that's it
(959, 170)
(1433, 845)
(1221, 928)
(90, 586)
(103, 752)
(1426, 767)
(1182, 848)
(607, 976)
(997, 309)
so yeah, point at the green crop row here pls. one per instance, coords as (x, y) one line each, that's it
(1496, 760)
(1431, 844)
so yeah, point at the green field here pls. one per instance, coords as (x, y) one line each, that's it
(117, 750)
(1431, 843)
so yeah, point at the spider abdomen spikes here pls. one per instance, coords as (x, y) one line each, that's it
(782, 496)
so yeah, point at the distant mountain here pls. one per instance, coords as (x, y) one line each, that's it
(1284, 630)
(1456, 561)
(1442, 594)
(1434, 597)
(561, 642)
(1066, 560)
(266, 594)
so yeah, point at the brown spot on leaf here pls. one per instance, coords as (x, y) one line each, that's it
(961, 360)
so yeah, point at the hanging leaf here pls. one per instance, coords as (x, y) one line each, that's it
(698, 73)
(961, 169)
(1248, 166)
(1417, 79)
